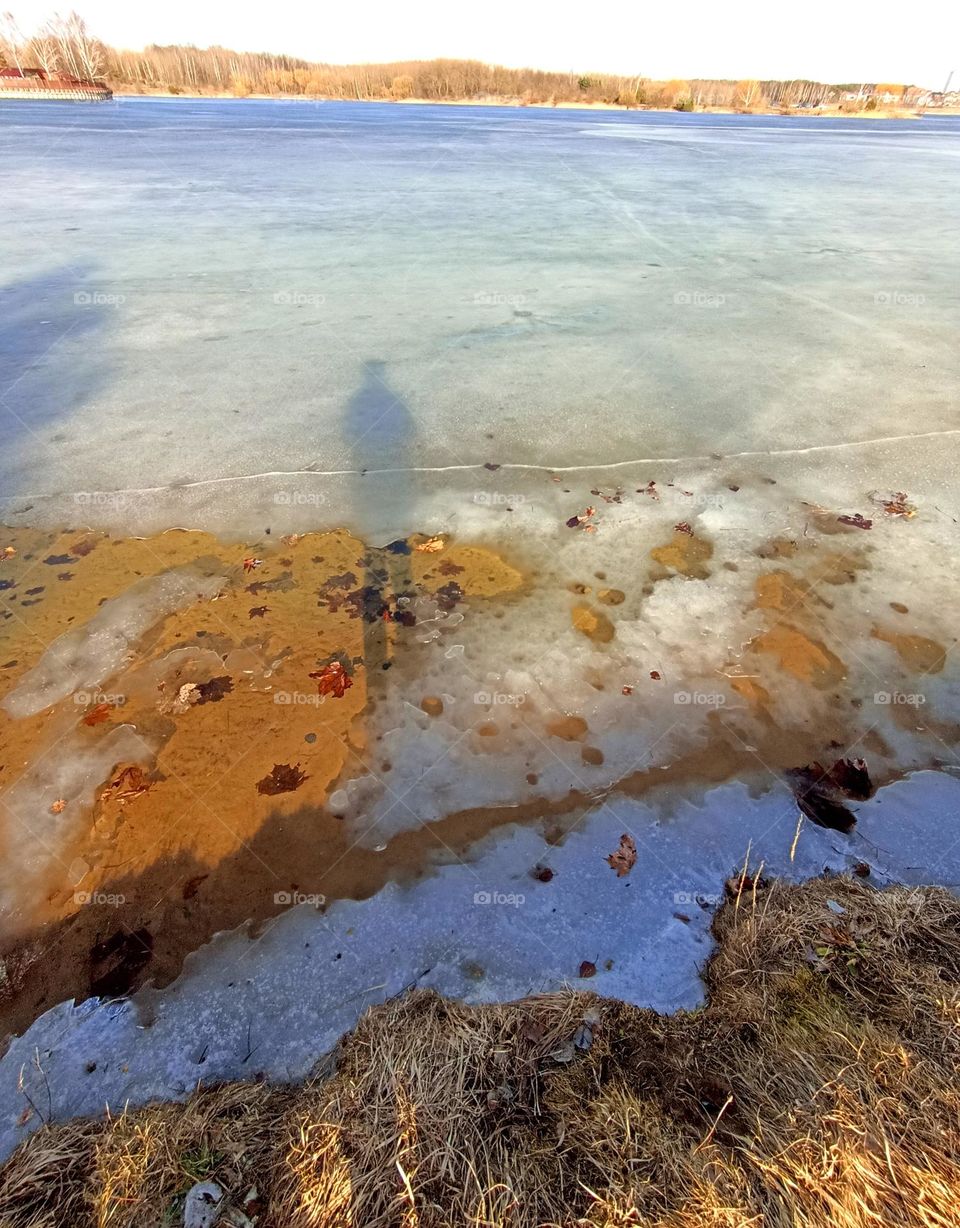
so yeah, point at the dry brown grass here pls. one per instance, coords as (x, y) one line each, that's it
(818, 1087)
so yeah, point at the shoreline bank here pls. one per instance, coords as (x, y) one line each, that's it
(818, 1081)
(120, 92)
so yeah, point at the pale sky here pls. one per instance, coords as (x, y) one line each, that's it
(826, 40)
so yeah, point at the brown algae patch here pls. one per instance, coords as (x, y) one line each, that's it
(243, 711)
(611, 596)
(916, 651)
(805, 659)
(570, 728)
(748, 688)
(480, 571)
(686, 554)
(594, 624)
(779, 590)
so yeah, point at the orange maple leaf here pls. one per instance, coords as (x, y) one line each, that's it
(333, 679)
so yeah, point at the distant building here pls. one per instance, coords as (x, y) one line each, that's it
(31, 83)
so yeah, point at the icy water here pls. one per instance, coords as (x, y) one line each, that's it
(453, 539)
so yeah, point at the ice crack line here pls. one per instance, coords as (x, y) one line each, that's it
(508, 465)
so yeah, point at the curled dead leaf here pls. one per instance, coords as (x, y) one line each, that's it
(624, 858)
(431, 546)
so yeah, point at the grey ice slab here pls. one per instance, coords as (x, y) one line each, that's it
(482, 931)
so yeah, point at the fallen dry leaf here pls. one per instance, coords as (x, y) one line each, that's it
(683, 527)
(587, 969)
(894, 503)
(251, 564)
(431, 546)
(9, 552)
(258, 611)
(852, 777)
(582, 520)
(58, 806)
(130, 782)
(98, 715)
(856, 521)
(187, 696)
(624, 858)
(284, 778)
(213, 691)
(332, 679)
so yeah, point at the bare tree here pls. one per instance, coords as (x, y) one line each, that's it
(81, 54)
(12, 42)
(748, 94)
(45, 49)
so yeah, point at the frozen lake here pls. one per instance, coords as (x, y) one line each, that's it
(200, 290)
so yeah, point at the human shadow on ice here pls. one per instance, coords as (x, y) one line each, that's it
(380, 431)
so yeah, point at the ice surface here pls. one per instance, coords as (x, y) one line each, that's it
(88, 655)
(521, 666)
(211, 290)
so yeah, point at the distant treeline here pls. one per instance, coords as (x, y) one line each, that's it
(216, 69)
(65, 44)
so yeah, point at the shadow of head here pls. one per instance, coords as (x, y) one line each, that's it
(378, 424)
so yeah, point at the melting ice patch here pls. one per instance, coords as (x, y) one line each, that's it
(45, 805)
(689, 637)
(88, 655)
